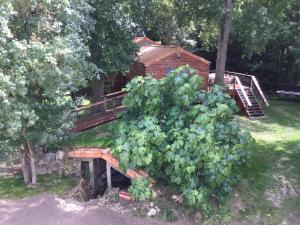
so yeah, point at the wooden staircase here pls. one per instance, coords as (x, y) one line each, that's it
(250, 96)
(253, 111)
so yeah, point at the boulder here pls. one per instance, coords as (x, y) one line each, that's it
(49, 157)
(60, 155)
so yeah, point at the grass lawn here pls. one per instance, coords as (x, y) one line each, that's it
(100, 136)
(274, 163)
(12, 188)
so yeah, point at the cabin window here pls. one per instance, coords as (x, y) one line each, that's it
(169, 69)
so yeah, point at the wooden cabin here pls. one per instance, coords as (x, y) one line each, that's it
(158, 60)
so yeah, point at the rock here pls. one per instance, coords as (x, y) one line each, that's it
(60, 155)
(179, 199)
(154, 194)
(157, 209)
(152, 212)
(237, 205)
(198, 217)
(49, 157)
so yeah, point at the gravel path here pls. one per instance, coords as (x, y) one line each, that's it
(46, 209)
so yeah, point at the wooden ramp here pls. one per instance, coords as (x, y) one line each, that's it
(100, 112)
(104, 153)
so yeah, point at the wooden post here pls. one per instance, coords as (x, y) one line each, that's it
(108, 175)
(92, 175)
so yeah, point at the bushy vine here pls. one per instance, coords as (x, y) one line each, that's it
(140, 189)
(182, 135)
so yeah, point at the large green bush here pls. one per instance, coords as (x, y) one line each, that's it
(183, 136)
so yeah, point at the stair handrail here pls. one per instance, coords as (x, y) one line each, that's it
(237, 79)
(255, 81)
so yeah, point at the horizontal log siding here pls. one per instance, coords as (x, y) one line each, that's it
(158, 69)
(137, 69)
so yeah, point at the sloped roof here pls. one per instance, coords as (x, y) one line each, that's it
(153, 53)
(140, 41)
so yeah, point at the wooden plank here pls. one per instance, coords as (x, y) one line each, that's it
(108, 175)
(260, 91)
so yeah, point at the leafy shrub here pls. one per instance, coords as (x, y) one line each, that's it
(140, 189)
(195, 147)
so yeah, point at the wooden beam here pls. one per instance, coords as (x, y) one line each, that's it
(108, 175)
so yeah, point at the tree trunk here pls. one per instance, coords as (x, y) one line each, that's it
(28, 164)
(97, 89)
(97, 83)
(24, 166)
(32, 164)
(223, 41)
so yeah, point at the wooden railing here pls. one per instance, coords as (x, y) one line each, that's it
(108, 103)
(238, 84)
(255, 87)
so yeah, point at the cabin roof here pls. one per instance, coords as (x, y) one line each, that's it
(141, 41)
(153, 53)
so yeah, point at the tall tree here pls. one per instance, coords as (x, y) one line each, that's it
(223, 41)
(111, 46)
(43, 52)
(153, 18)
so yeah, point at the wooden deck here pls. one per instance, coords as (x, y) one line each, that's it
(107, 109)
(244, 88)
(96, 118)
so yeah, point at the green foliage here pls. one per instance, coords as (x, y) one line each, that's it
(140, 189)
(43, 57)
(111, 46)
(195, 147)
(7, 152)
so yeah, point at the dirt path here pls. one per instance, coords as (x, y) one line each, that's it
(47, 209)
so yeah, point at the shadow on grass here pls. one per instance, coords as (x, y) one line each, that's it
(283, 113)
(257, 178)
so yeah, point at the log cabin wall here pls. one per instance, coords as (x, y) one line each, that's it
(171, 62)
(137, 69)
(114, 83)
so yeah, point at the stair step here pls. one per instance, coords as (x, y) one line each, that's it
(255, 112)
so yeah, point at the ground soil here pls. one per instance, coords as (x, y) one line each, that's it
(46, 209)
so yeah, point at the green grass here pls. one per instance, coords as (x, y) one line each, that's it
(13, 188)
(277, 143)
(100, 136)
